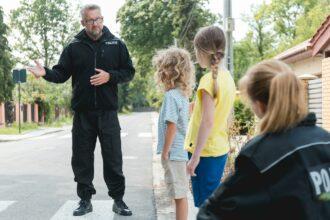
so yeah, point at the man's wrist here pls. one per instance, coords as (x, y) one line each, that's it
(109, 76)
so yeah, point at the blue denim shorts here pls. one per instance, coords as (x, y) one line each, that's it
(208, 175)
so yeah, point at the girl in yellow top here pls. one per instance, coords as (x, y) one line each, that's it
(207, 139)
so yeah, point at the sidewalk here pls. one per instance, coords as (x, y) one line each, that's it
(31, 134)
(164, 207)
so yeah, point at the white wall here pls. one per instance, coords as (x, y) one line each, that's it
(311, 65)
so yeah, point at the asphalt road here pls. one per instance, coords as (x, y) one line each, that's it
(36, 179)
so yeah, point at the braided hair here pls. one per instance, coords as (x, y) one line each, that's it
(210, 44)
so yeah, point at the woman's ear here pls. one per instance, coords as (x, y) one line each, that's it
(263, 107)
(259, 108)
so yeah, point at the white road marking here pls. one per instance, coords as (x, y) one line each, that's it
(129, 158)
(145, 135)
(123, 134)
(102, 209)
(5, 204)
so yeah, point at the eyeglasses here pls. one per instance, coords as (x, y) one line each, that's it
(94, 21)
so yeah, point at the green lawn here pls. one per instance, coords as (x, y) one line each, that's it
(25, 127)
(14, 128)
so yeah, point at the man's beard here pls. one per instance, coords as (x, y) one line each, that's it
(95, 34)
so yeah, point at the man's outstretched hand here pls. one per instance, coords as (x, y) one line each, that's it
(101, 78)
(37, 70)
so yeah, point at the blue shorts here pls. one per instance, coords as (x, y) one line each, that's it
(209, 173)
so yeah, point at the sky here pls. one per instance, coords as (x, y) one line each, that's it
(110, 8)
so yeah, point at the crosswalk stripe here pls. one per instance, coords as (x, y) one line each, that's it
(123, 134)
(145, 135)
(5, 204)
(129, 158)
(102, 209)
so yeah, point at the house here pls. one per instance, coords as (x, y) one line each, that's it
(310, 60)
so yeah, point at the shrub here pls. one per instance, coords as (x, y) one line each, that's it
(244, 118)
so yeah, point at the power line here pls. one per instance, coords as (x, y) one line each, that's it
(185, 29)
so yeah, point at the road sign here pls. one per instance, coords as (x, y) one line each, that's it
(19, 75)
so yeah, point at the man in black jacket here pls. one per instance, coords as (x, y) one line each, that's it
(97, 62)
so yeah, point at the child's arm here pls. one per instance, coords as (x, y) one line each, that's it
(204, 130)
(169, 137)
(191, 107)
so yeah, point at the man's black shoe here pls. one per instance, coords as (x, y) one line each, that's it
(121, 208)
(85, 206)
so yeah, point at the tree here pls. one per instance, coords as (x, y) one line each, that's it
(307, 25)
(285, 14)
(245, 55)
(262, 38)
(257, 44)
(6, 64)
(43, 28)
(147, 26)
(188, 17)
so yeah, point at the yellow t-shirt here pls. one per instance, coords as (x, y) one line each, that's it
(217, 143)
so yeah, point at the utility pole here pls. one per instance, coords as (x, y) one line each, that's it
(229, 27)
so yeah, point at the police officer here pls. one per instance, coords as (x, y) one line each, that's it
(97, 61)
(284, 172)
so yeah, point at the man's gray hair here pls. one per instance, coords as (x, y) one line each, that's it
(88, 7)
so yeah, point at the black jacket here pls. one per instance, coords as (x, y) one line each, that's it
(278, 176)
(79, 60)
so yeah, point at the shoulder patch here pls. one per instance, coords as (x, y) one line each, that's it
(319, 177)
(112, 42)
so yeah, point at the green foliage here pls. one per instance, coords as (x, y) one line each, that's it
(186, 27)
(244, 56)
(257, 44)
(276, 26)
(6, 64)
(296, 20)
(307, 25)
(147, 26)
(44, 27)
(244, 118)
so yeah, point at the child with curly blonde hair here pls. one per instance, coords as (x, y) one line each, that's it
(175, 74)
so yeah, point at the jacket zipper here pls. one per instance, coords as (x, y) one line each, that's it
(95, 55)
(95, 102)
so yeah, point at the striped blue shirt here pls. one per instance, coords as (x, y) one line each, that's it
(175, 108)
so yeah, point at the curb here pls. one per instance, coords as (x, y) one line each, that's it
(10, 138)
(164, 207)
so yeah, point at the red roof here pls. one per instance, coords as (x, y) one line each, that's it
(308, 48)
(321, 29)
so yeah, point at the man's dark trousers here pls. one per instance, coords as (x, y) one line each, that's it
(87, 126)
